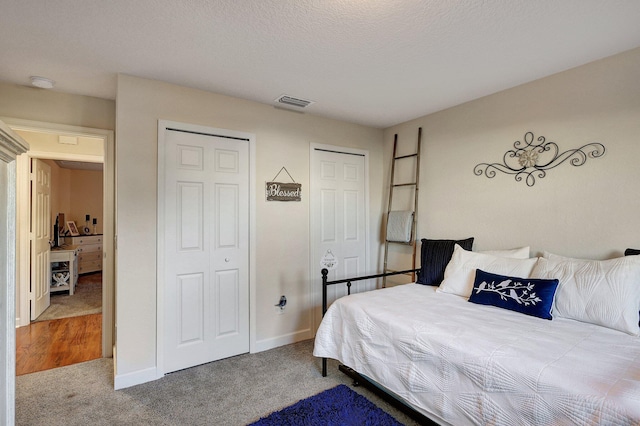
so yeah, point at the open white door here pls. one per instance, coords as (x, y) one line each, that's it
(205, 232)
(40, 237)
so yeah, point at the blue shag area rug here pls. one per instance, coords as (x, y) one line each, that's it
(339, 406)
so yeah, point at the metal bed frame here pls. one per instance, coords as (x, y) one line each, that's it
(359, 379)
(326, 283)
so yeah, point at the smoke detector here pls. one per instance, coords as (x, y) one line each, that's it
(293, 101)
(42, 82)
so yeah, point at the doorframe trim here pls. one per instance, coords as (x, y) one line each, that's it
(11, 146)
(22, 230)
(315, 282)
(160, 320)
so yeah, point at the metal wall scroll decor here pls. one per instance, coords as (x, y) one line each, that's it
(283, 191)
(533, 157)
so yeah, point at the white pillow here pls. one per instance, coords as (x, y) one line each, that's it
(461, 269)
(602, 292)
(517, 253)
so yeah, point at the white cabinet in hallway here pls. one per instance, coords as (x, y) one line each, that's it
(89, 252)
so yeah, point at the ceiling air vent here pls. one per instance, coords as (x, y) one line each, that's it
(292, 101)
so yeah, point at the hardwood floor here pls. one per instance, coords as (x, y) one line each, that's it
(56, 343)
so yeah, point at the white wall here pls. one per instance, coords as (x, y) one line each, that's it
(282, 139)
(589, 211)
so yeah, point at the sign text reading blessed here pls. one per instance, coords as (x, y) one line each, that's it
(279, 191)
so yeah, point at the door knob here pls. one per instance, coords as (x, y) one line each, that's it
(226, 259)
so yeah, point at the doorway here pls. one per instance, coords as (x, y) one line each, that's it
(74, 270)
(65, 305)
(66, 136)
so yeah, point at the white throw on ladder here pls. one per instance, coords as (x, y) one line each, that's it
(399, 226)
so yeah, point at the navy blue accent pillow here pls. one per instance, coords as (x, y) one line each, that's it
(434, 257)
(530, 296)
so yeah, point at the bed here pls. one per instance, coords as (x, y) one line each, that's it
(460, 363)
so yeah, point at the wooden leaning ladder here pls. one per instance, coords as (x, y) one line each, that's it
(392, 187)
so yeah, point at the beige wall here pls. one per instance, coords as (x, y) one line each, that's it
(76, 193)
(60, 194)
(27, 103)
(589, 211)
(49, 142)
(282, 139)
(85, 189)
(30, 103)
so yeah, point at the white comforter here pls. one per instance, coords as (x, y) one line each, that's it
(460, 363)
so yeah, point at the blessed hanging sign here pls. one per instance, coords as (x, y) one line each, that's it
(283, 191)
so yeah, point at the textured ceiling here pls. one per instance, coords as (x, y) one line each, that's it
(374, 62)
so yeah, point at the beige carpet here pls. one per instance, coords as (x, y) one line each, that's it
(87, 299)
(230, 392)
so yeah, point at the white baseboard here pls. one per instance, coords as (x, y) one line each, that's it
(134, 378)
(127, 380)
(287, 339)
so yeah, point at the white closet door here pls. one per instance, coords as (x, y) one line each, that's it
(338, 216)
(206, 248)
